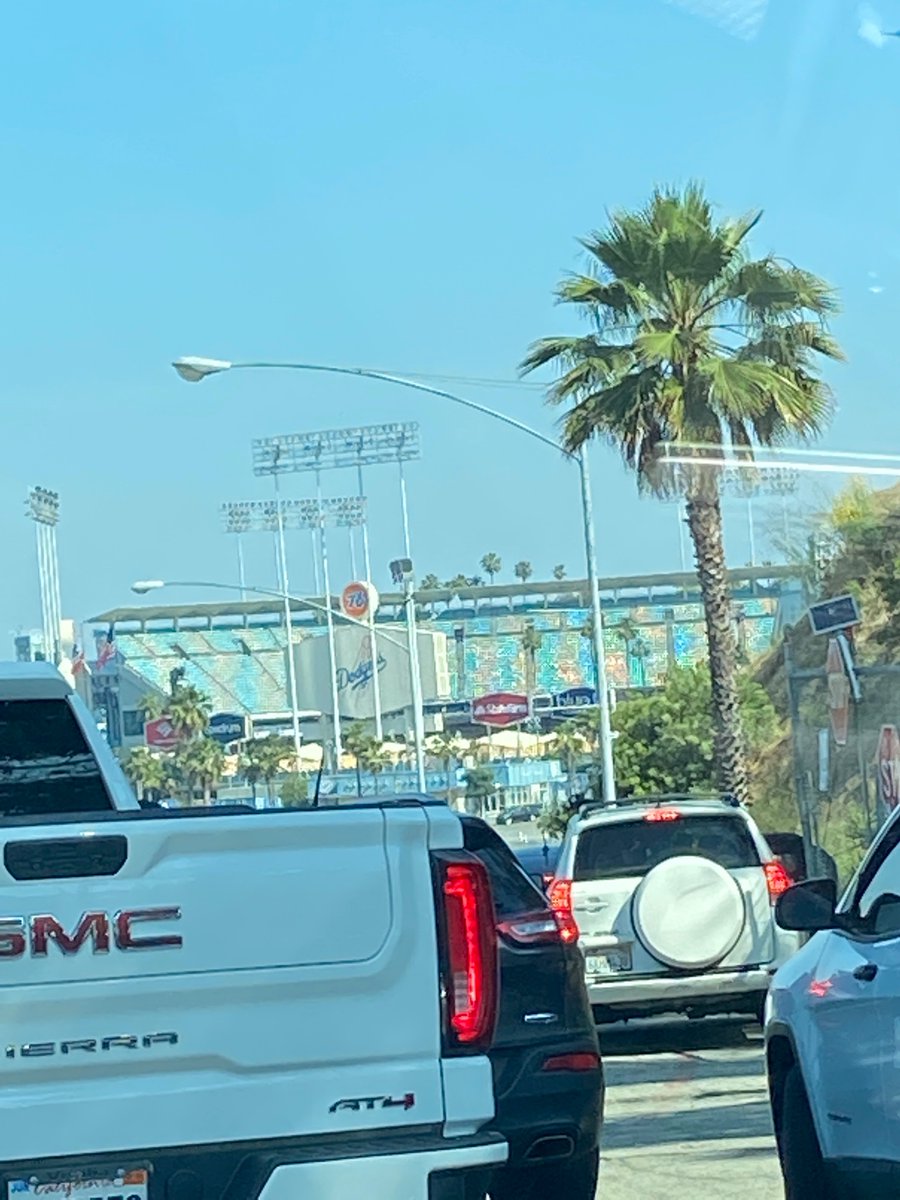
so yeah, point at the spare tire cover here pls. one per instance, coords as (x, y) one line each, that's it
(688, 912)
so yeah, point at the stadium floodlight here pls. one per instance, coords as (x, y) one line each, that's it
(331, 449)
(42, 507)
(253, 516)
(194, 369)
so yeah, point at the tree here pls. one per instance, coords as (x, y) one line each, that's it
(446, 747)
(570, 744)
(187, 707)
(694, 342)
(480, 785)
(264, 759)
(146, 770)
(523, 570)
(199, 762)
(430, 583)
(531, 643)
(666, 740)
(559, 572)
(458, 581)
(492, 565)
(295, 791)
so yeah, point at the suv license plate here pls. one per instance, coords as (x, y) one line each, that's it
(132, 1185)
(611, 962)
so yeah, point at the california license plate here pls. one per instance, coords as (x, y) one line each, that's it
(130, 1185)
(610, 962)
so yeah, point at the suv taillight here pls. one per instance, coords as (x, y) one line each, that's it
(560, 897)
(469, 943)
(777, 879)
(531, 929)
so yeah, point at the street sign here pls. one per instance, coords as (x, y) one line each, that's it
(500, 709)
(357, 598)
(888, 777)
(227, 727)
(838, 692)
(161, 734)
(575, 697)
(841, 612)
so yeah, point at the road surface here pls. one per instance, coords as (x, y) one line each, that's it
(687, 1113)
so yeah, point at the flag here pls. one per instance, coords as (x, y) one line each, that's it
(108, 651)
(78, 663)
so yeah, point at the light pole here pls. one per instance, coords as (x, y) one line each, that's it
(193, 370)
(43, 509)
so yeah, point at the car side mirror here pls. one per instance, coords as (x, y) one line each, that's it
(808, 907)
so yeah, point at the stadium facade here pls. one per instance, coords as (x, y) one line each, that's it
(236, 653)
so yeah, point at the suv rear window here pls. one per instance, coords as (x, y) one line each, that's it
(513, 891)
(46, 765)
(635, 847)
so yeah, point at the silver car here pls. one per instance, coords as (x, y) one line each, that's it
(671, 899)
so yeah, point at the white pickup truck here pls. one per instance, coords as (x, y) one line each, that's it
(225, 1005)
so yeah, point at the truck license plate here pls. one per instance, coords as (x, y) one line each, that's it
(610, 962)
(131, 1185)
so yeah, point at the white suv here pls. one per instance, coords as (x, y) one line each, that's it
(672, 901)
(833, 1033)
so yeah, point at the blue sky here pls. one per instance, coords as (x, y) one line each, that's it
(396, 185)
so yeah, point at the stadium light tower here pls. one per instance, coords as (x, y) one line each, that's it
(337, 449)
(194, 370)
(276, 516)
(42, 507)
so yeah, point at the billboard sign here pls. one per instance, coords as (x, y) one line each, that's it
(576, 697)
(500, 709)
(888, 767)
(354, 671)
(357, 598)
(227, 727)
(838, 692)
(161, 734)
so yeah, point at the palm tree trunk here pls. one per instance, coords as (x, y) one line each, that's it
(704, 515)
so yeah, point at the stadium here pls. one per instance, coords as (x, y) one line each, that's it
(236, 652)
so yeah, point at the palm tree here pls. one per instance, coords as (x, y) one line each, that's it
(569, 744)
(146, 770)
(430, 583)
(265, 759)
(446, 747)
(458, 581)
(200, 761)
(692, 341)
(523, 570)
(559, 572)
(480, 785)
(189, 710)
(491, 564)
(531, 643)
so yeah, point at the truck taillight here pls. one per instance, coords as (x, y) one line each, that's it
(560, 897)
(777, 879)
(470, 952)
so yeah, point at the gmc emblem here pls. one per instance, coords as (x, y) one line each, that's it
(33, 935)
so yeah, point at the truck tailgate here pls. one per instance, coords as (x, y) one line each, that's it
(238, 977)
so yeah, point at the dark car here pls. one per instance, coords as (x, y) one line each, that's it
(538, 862)
(518, 814)
(548, 1078)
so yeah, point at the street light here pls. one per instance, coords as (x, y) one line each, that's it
(195, 369)
(43, 508)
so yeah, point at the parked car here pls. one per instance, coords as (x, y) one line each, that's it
(518, 814)
(832, 1025)
(548, 1078)
(673, 900)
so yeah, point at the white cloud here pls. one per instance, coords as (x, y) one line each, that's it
(742, 18)
(870, 26)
